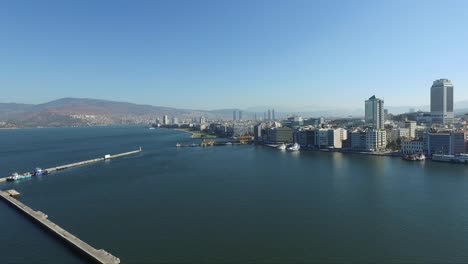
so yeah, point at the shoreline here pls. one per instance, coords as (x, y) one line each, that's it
(380, 154)
(186, 131)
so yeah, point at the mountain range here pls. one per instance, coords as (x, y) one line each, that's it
(88, 112)
(68, 112)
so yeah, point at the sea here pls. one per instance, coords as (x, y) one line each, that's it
(227, 204)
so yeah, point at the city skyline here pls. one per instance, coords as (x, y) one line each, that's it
(208, 58)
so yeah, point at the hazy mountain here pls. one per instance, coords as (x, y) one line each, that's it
(11, 109)
(83, 112)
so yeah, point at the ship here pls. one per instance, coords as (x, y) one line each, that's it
(294, 147)
(15, 176)
(459, 158)
(282, 147)
(39, 171)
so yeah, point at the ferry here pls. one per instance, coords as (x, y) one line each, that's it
(15, 176)
(294, 147)
(39, 171)
(282, 147)
(460, 158)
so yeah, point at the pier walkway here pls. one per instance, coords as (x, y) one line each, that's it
(98, 256)
(106, 157)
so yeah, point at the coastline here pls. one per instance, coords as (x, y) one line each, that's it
(186, 131)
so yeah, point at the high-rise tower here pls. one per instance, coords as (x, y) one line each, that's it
(375, 112)
(442, 101)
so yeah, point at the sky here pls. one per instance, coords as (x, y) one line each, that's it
(232, 54)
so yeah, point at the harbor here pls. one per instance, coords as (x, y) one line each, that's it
(38, 217)
(81, 163)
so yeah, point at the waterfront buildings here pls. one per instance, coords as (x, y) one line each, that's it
(437, 143)
(358, 140)
(374, 112)
(259, 131)
(330, 138)
(376, 140)
(411, 147)
(234, 115)
(273, 114)
(442, 101)
(458, 142)
(280, 135)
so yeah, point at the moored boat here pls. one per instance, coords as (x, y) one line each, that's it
(294, 147)
(15, 176)
(39, 171)
(415, 157)
(282, 147)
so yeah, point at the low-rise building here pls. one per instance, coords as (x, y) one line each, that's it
(411, 147)
(280, 135)
(376, 140)
(400, 133)
(358, 140)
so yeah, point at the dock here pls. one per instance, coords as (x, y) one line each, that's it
(95, 255)
(81, 163)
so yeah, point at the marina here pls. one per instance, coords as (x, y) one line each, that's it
(95, 255)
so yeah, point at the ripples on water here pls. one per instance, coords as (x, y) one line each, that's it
(229, 204)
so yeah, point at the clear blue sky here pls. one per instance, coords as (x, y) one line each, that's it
(236, 53)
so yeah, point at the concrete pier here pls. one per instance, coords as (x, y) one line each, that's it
(98, 256)
(106, 157)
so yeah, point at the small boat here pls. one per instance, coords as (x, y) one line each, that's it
(151, 128)
(294, 147)
(39, 171)
(282, 147)
(178, 145)
(15, 176)
(415, 157)
(421, 157)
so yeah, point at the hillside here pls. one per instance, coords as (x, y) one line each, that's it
(88, 112)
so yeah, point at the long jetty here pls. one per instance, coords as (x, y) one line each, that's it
(106, 157)
(97, 256)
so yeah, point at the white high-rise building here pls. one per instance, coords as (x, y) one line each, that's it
(375, 112)
(442, 101)
(202, 120)
(165, 120)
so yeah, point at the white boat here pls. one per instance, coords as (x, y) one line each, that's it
(294, 147)
(282, 147)
(151, 128)
(421, 157)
